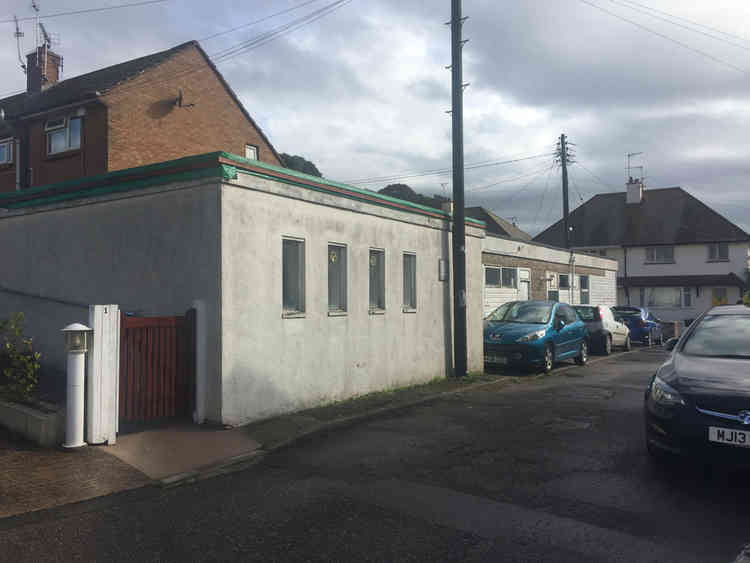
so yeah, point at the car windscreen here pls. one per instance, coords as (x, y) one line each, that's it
(527, 312)
(720, 336)
(497, 314)
(628, 312)
(587, 314)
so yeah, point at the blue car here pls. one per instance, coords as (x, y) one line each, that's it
(534, 334)
(644, 327)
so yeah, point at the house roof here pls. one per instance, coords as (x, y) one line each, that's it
(665, 216)
(93, 84)
(216, 165)
(715, 280)
(497, 225)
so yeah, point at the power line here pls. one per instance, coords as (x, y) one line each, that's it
(544, 195)
(667, 37)
(626, 4)
(597, 178)
(440, 171)
(508, 180)
(265, 18)
(689, 21)
(248, 45)
(87, 11)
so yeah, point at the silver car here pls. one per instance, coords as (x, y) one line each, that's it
(604, 331)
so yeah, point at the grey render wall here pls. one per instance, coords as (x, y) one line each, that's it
(152, 252)
(272, 364)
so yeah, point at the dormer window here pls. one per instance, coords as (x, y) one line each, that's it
(63, 134)
(6, 151)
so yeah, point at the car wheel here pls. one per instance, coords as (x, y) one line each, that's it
(549, 358)
(607, 348)
(628, 344)
(583, 355)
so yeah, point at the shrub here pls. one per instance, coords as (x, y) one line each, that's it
(19, 363)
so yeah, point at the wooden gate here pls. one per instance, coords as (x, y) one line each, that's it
(157, 367)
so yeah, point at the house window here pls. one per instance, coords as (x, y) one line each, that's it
(660, 255)
(63, 134)
(410, 282)
(584, 285)
(6, 151)
(251, 152)
(564, 281)
(336, 278)
(687, 297)
(719, 296)
(501, 277)
(293, 274)
(553, 295)
(664, 297)
(718, 252)
(510, 278)
(377, 280)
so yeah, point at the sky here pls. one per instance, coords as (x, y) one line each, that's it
(363, 92)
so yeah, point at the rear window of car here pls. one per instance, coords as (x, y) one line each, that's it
(628, 312)
(720, 336)
(588, 313)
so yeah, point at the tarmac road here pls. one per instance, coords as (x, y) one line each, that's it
(547, 470)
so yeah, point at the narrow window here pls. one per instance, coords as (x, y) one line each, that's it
(584, 283)
(336, 278)
(564, 281)
(410, 282)
(718, 251)
(251, 152)
(687, 297)
(293, 265)
(510, 278)
(492, 277)
(6, 151)
(377, 280)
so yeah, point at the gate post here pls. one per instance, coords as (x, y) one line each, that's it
(102, 386)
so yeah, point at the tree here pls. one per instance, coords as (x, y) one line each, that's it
(403, 191)
(300, 164)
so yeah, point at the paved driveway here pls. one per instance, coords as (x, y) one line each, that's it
(548, 470)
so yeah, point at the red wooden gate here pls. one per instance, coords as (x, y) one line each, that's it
(157, 367)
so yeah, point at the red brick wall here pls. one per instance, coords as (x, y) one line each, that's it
(145, 125)
(8, 174)
(90, 159)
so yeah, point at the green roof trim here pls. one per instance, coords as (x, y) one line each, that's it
(221, 171)
(190, 168)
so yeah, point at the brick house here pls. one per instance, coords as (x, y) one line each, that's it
(162, 106)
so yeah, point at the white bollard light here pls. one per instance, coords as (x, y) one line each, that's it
(77, 338)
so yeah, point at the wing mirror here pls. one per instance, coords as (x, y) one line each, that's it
(559, 323)
(670, 344)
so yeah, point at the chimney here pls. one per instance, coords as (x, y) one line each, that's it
(635, 190)
(43, 69)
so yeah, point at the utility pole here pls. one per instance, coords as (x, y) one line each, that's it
(564, 165)
(459, 220)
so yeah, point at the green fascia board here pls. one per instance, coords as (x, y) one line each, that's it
(369, 193)
(113, 175)
(221, 171)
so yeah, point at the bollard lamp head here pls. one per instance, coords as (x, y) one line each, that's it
(77, 337)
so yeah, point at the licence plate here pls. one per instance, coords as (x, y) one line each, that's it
(728, 436)
(497, 360)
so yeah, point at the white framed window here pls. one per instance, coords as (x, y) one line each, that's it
(660, 255)
(63, 134)
(6, 151)
(501, 277)
(718, 252)
(584, 286)
(664, 297)
(336, 278)
(293, 277)
(251, 152)
(410, 282)
(377, 280)
(564, 281)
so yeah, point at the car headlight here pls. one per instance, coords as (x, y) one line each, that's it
(536, 335)
(665, 395)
